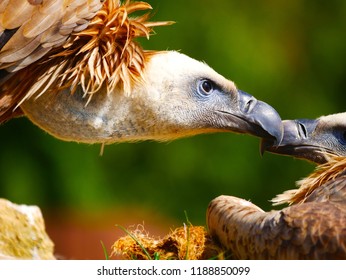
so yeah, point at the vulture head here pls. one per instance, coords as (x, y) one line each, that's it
(312, 139)
(177, 96)
(76, 71)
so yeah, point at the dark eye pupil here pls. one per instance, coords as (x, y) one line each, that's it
(344, 136)
(207, 86)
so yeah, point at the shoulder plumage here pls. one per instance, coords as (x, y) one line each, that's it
(36, 27)
(75, 43)
(324, 173)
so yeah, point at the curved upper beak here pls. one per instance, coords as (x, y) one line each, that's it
(255, 117)
(298, 141)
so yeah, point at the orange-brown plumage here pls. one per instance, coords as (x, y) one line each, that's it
(312, 227)
(317, 185)
(103, 53)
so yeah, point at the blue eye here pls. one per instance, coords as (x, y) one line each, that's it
(205, 87)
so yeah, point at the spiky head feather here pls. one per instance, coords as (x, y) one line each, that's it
(105, 53)
(333, 168)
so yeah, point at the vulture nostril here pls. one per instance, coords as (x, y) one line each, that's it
(302, 130)
(249, 105)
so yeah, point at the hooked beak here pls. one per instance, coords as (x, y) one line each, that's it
(254, 117)
(298, 141)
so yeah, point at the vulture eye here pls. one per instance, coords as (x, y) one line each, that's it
(343, 135)
(205, 87)
(340, 134)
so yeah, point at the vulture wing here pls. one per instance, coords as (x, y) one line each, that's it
(28, 31)
(312, 230)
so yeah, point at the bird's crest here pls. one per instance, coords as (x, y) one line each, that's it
(326, 172)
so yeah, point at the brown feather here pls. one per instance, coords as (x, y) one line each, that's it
(335, 167)
(15, 13)
(103, 54)
(32, 23)
(313, 227)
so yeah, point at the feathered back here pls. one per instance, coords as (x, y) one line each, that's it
(63, 44)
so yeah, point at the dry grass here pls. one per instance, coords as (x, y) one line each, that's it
(184, 243)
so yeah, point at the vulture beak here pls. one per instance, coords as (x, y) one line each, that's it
(256, 118)
(298, 141)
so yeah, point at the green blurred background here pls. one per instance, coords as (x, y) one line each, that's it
(290, 54)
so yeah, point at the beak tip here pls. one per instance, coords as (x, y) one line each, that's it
(262, 147)
(278, 137)
(273, 126)
(265, 120)
(267, 144)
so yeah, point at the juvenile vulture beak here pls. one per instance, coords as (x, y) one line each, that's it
(311, 139)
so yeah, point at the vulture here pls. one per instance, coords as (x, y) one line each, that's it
(313, 225)
(75, 69)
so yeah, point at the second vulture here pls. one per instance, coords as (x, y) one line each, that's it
(74, 69)
(314, 225)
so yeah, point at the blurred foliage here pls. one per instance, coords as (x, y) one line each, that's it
(290, 54)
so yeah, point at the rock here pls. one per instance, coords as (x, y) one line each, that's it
(22, 233)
